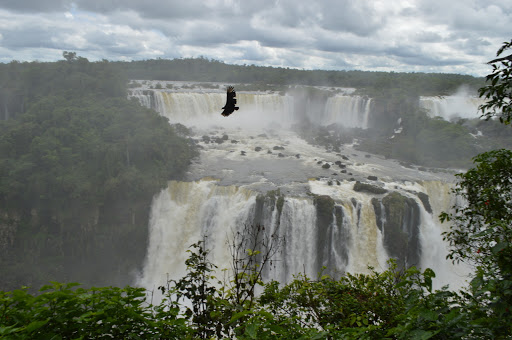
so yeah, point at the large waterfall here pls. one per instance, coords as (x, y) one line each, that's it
(343, 211)
(349, 111)
(193, 107)
(450, 107)
(350, 239)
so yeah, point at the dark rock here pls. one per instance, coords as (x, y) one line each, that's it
(344, 157)
(326, 166)
(278, 147)
(372, 178)
(234, 141)
(280, 155)
(258, 148)
(319, 162)
(242, 153)
(225, 137)
(297, 156)
(368, 156)
(400, 223)
(206, 139)
(369, 188)
(426, 202)
(343, 171)
(219, 140)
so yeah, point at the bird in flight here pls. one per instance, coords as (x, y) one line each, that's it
(230, 107)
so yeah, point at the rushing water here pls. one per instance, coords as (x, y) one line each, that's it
(253, 151)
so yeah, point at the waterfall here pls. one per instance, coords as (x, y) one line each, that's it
(195, 107)
(321, 220)
(186, 212)
(186, 107)
(349, 111)
(450, 107)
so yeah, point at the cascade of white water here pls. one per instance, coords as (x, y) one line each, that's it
(142, 96)
(187, 211)
(450, 107)
(194, 107)
(349, 111)
(182, 215)
(297, 228)
(434, 252)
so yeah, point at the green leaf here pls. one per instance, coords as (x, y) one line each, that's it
(34, 325)
(9, 330)
(251, 329)
(428, 314)
(499, 247)
(420, 334)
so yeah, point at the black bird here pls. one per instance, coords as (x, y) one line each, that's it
(509, 58)
(230, 107)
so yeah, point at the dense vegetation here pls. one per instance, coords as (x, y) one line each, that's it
(79, 165)
(202, 69)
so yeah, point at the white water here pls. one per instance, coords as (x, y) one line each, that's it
(450, 107)
(194, 107)
(186, 211)
(349, 111)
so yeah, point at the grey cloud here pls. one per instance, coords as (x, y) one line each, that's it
(35, 6)
(357, 17)
(169, 10)
(428, 37)
(27, 37)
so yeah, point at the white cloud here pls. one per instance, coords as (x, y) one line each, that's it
(403, 35)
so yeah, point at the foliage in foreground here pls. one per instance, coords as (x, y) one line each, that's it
(389, 305)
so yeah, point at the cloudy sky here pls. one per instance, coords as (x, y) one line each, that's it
(449, 36)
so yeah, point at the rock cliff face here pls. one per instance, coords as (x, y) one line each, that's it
(398, 218)
(324, 223)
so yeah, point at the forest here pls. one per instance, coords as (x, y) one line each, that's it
(79, 164)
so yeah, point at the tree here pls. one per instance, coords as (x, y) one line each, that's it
(481, 231)
(69, 56)
(499, 91)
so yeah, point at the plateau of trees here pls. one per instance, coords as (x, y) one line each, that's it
(203, 69)
(79, 165)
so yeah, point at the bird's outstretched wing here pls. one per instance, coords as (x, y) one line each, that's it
(230, 107)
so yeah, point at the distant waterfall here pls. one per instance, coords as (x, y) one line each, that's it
(186, 211)
(184, 107)
(450, 107)
(349, 111)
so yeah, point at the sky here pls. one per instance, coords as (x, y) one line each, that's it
(441, 36)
